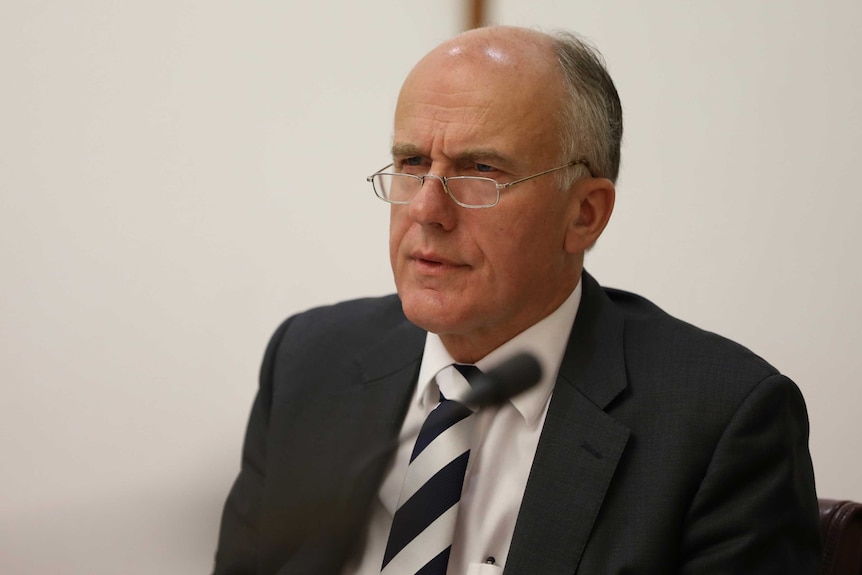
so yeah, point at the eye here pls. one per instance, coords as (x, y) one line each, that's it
(410, 165)
(485, 168)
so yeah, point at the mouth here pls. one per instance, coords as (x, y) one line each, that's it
(431, 262)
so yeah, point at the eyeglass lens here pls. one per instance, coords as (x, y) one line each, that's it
(466, 190)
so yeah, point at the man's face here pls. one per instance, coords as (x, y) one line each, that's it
(478, 277)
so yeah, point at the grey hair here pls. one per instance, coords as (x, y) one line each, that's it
(591, 117)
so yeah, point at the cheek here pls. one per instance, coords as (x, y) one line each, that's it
(398, 226)
(526, 245)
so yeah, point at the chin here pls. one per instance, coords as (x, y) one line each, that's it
(431, 312)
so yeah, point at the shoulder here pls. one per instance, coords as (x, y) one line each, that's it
(704, 414)
(352, 321)
(385, 308)
(336, 344)
(698, 380)
(656, 338)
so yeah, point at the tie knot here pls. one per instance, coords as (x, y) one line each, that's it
(468, 371)
(455, 380)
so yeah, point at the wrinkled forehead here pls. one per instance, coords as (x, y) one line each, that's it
(494, 53)
(483, 92)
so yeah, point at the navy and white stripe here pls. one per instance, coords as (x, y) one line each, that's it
(421, 534)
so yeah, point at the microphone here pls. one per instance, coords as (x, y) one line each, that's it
(512, 377)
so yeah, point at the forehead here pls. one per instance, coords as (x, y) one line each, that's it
(457, 103)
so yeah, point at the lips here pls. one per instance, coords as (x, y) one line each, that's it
(431, 261)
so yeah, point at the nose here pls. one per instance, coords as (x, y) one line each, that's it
(432, 205)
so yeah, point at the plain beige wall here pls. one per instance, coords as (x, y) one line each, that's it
(176, 177)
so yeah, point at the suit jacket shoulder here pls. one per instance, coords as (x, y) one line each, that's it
(334, 387)
(666, 449)
(650, 331)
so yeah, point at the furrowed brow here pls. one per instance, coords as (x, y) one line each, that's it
(405, 151)
(480, 156)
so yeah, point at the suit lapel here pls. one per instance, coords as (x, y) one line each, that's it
(580, 445)
(367, 396)
(376, 409)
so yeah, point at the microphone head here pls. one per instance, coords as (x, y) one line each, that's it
(515, 375)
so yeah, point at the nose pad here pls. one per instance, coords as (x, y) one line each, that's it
(432, 204)
(432, 185)
(433, 178)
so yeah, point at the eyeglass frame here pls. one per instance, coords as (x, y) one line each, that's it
(444, 179)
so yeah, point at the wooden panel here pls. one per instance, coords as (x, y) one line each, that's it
(476, 16)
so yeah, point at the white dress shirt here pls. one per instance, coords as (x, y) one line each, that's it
(501, 454)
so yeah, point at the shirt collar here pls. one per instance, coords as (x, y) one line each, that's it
(546, 340)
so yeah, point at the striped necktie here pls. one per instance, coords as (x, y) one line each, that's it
(422, 527)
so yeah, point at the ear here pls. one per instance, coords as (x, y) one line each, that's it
(592, 204)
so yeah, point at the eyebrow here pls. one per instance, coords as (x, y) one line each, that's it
(405, 151)
(485, 155)
(467, 156)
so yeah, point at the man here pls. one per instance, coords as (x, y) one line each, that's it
(648, 446)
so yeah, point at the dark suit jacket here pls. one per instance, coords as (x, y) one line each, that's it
(666, 449)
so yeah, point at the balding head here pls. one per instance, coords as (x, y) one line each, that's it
(514, 49)
(511, 73)
(563, 73)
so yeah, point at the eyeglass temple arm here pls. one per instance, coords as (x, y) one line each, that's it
(569, 165)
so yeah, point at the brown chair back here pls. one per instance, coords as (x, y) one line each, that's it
(841, 526)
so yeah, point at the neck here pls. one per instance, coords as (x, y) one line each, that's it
(472, 347)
